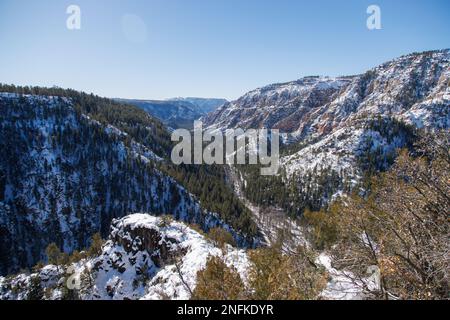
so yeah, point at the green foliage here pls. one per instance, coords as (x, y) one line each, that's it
(82, 147)
(373, 159)
(92, 145)
(197, 228)
(219, 282)
(77, 256)
(321, 228)
(314, 190)
(208, 183)
(96, 245)
(293, 195)
(63, 259)
(53, 254)
(401, 227)
(38, 266)
(165, 221)
(130, 119)
(265, 263)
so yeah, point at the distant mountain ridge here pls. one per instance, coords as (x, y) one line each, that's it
(76, 164)
(206, 105)
(177, 112)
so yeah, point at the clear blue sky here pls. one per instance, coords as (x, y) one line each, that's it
(207, 48)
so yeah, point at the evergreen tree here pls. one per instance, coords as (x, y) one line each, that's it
(53, 254)
(96, 245)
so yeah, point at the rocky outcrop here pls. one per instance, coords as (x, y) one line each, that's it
(144, 257)
(134, 239)
(414, 88)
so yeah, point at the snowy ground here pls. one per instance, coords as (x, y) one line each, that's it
(145, 257)
(270, 222)
(340, 286)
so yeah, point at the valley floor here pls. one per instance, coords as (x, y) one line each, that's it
(274, 223)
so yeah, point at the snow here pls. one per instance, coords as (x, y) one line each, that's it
(340, 287)
(327, 115)
(168, 280)
(117, 271)
(49, 100)
(48, 172)
(137, 150)
(337, 152)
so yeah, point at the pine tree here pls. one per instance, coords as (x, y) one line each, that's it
(53, 253)
(96, 245)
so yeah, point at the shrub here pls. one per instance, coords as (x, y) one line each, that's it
(218, 282)
(220, 237)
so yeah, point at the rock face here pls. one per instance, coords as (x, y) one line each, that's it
(278, 106)
(414, 88)
(145, 257)
(338, 128)
(141, 235)
(367, 115)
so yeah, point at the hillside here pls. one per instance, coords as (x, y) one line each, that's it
(178, 112)
(92, 207)
(74, 162)
(144, 257)
(337, 131)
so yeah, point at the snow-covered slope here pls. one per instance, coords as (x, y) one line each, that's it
(278, 106)
(65, 176)
(338, 128)
(145, 257)
(414, 88)
(365, 119)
